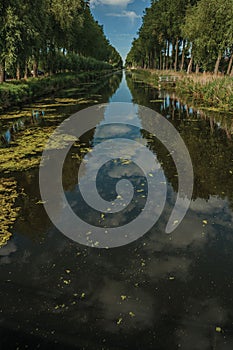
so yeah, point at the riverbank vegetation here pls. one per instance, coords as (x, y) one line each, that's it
(45, 38)
(204, 91)
(207, 91)
(191, 35)
(17, 93)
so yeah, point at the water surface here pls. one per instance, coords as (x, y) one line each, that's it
(160, 292)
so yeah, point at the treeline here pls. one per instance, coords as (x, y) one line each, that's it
(187, 35)
(52, 36)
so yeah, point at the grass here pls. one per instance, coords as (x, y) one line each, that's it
(208, 90)
(17, 93)
(201, 90)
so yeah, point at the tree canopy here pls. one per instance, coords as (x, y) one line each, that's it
(44, 33)
(179, 34)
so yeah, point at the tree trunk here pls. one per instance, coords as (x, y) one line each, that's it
(35, 69)
(26, 71)
(176, 54)
(230, 65)
(18, 75)
(173, 54)
(183, 54)
(197, 68)
(164, 56)
(217, 64)
(2, 73)
(168, 53)
(189, 70)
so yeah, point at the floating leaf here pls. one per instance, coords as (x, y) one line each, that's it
(41, 202)
(218, 329)
(119, 321)
(131, 314)
(205, 222)
(66, 282)
(123, 297)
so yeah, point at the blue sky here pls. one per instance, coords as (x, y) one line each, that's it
(121, 20)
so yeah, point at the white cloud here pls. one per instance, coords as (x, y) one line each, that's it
(129, 14)
(122, 3)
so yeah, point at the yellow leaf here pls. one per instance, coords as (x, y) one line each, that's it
(131, 314)
(66, 282)
(123, 297)
(119, 321)
(218, 329)
(41, 202)
(205, 222)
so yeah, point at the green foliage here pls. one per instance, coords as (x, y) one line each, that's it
(18, 92)
(45, 34)
(210, 91)
(173, 31)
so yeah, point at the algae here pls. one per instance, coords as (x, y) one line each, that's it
(26, 153)
(9, 213)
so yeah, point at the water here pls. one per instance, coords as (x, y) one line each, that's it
(160, 292)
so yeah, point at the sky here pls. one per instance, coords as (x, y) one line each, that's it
(121, 20)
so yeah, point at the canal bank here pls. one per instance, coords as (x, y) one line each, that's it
(204, 91)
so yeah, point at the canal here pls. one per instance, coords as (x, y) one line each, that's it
(162, 291)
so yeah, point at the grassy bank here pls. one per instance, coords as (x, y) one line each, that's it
(200, 90)
(208, 91)
(17, 93)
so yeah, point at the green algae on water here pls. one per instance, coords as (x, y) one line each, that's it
(9, 213)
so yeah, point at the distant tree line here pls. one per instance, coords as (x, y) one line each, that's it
(185, 35)
(49, 34)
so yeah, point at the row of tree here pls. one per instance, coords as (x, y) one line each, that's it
(185, 34)
(36, 33)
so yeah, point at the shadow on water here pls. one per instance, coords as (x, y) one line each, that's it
(160, 292)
